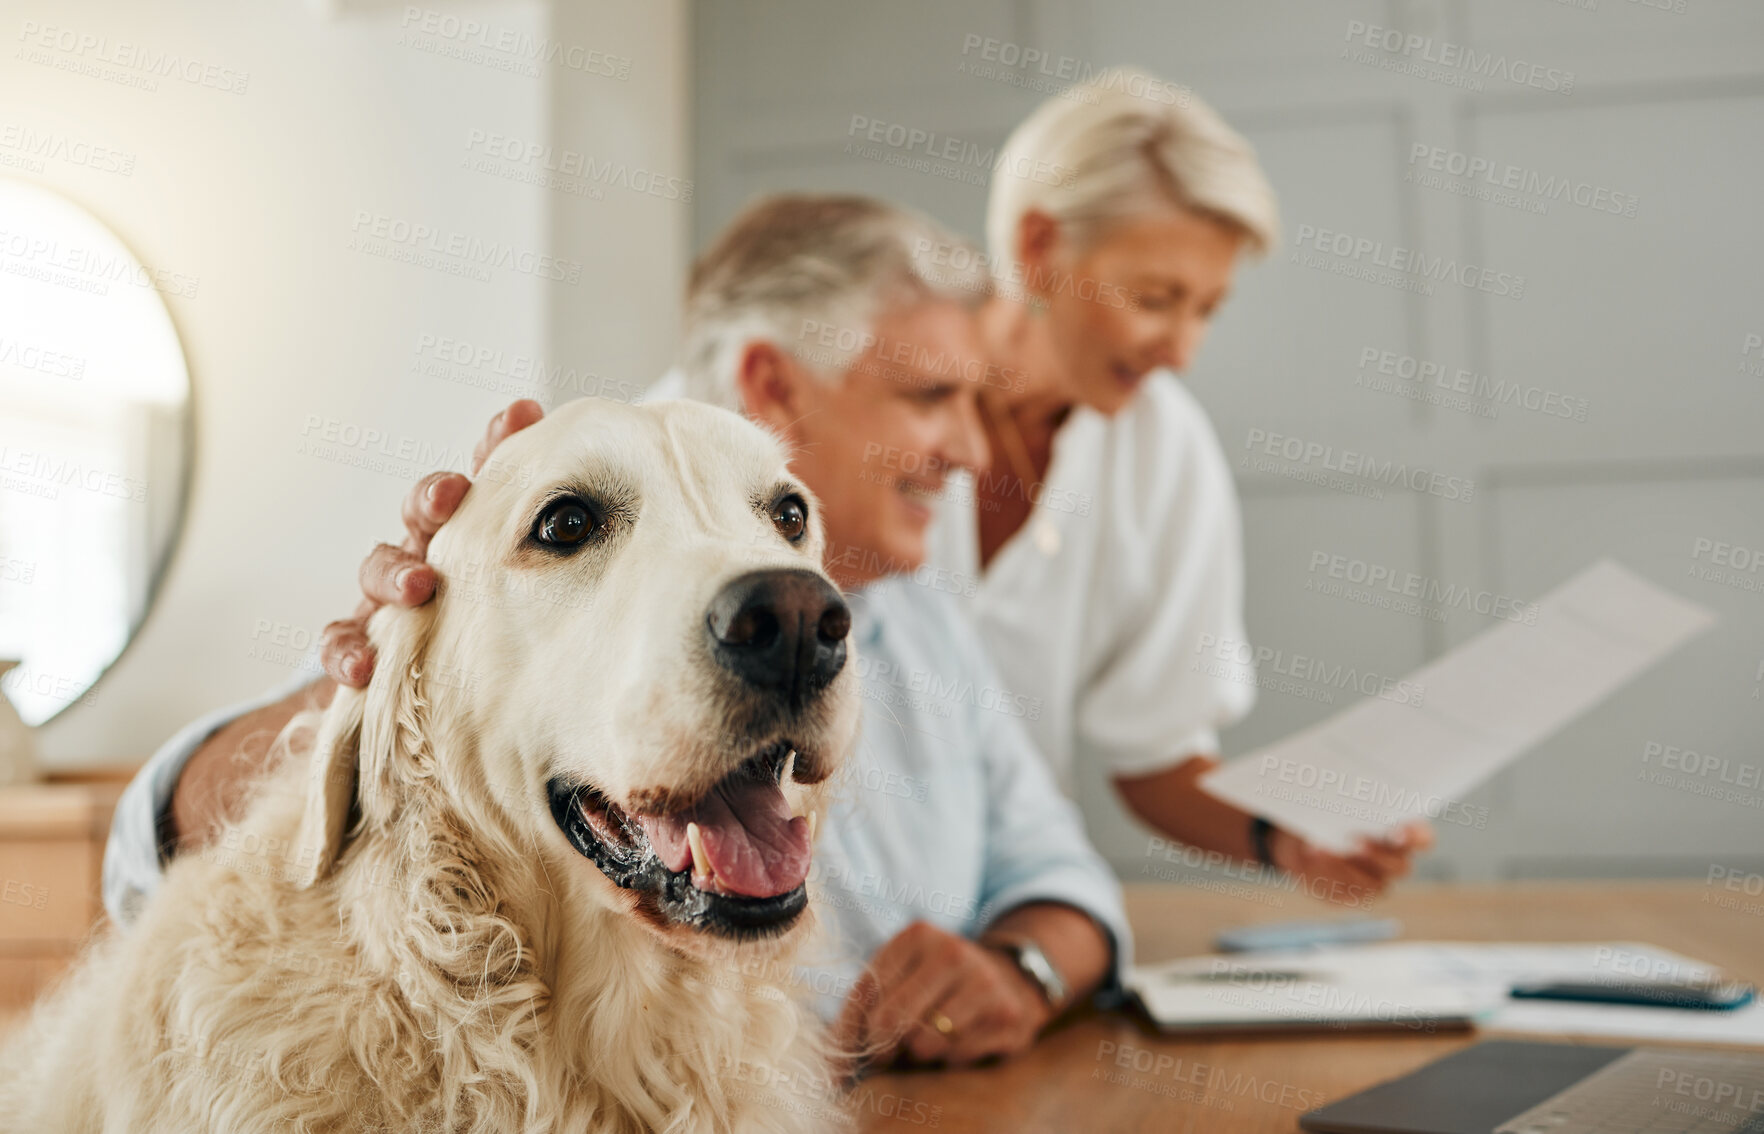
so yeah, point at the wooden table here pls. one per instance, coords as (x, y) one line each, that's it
(1072, 1082)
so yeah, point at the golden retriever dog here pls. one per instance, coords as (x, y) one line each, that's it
(547, 871)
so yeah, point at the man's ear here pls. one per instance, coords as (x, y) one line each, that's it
(770, 384)
(368, 740)
(1038, 239)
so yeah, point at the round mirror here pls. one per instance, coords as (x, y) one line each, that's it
(94, 446)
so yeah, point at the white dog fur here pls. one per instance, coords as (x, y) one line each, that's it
(450, 962)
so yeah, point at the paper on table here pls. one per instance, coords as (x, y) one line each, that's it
(1483, 964)
(1382, 763)
(1354, 985)
(1743, 1026)
(1474, 965)
(1406, 981)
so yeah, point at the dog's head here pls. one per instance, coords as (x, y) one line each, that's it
(633, 668)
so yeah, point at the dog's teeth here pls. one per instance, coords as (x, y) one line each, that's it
(789, 767)
(700, 861)
(814, 822)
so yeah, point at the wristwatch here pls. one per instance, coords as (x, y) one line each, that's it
(1033, 963)
(1261, 840)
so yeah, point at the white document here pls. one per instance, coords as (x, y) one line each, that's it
(1349, 987)
(1740, 1026)
(1484, 967)
(1420, 984)
(1381, 763)
(1480, 967)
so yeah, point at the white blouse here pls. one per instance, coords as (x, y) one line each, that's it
(1097, 612)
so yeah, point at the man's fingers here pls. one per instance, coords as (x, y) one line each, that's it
(905, 1010)
(976, 1011)
(924, 1045)
(346, 654)
(918, 1006)
(900, 1002)
(898, 956)
(484, 445)
(399, 575)
(429, 505)
(393, 575)
(518, 416)
(512, 420)
(924, 976)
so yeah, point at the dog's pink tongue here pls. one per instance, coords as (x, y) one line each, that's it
(756, 848)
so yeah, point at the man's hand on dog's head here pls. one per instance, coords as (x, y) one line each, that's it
(400, 574)
(215, 782)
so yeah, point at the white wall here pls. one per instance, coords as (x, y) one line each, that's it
(623, 321)
(257, 195)
(1643, 317)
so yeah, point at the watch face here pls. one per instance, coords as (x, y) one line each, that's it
(1039, 969)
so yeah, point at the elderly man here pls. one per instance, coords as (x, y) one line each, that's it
(953, 864)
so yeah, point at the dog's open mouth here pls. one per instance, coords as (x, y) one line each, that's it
(735, 862)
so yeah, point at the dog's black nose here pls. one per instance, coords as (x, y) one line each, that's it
(780, 630)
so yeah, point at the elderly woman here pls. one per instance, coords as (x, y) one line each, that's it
(1105, 537)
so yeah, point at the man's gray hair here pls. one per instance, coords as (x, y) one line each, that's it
(811, 274)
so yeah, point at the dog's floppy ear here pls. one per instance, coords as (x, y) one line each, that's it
(363, 740)
(330, 788)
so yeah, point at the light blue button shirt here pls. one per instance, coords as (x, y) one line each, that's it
(944, 814)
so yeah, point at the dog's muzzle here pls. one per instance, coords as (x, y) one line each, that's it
(734, 863)
(735, 859)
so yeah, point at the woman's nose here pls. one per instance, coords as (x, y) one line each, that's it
(1176, 346)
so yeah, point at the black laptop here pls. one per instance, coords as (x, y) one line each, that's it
(1543, 1088)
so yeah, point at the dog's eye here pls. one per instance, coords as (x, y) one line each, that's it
(790, 517)
(565, 523)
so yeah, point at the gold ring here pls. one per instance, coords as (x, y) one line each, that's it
(944, 1025)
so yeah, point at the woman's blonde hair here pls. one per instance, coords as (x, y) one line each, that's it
(1123, 145)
